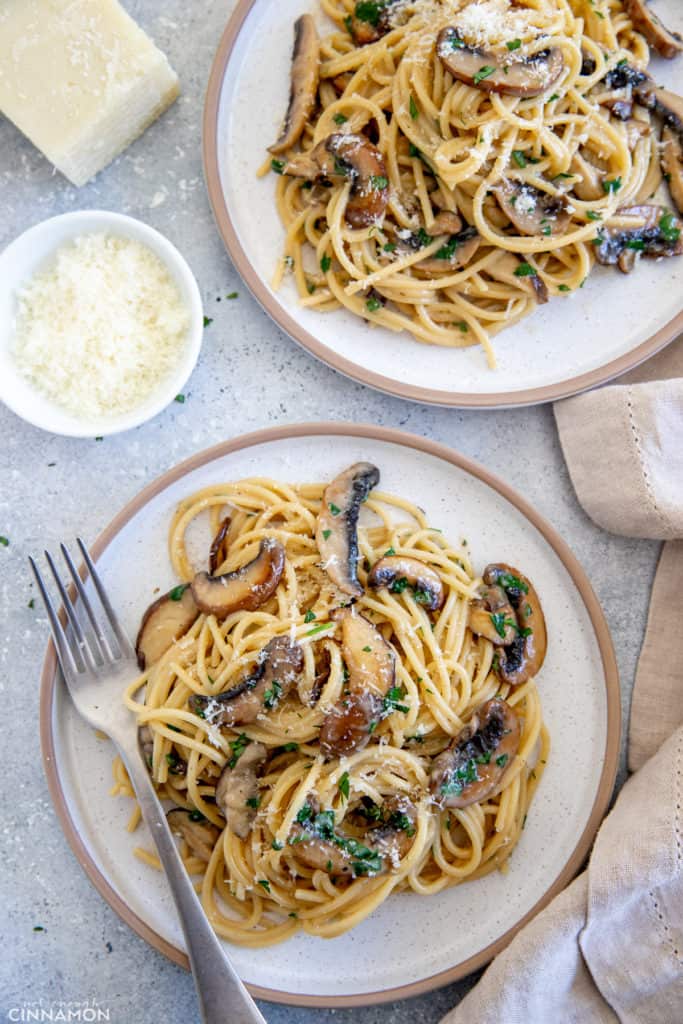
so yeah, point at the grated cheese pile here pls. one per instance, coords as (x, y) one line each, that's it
(99, 329)
(481, 23)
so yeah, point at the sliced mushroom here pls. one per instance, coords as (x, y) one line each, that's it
(248, 587)
(316, 842)
(456, 252)
(656, 233)
(353, 157)
(370, 663)
(370, 21)
(493, 73)
(237, 788)
(645, 21)
(446, 222)
(532, 211)
(278, 667)
(199, 834)
(337, 529)
(219, 546)
(522, 659)
(504, 270)
(491, 615)
(587, 184)
(165, 621)
(304, 83)
(672, 165)
(396, 572)
(472, 767)
(667, 104)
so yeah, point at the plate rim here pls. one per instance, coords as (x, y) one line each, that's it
(282, 318)
(49, 682)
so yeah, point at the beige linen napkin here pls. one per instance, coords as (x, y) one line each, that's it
(610, 947)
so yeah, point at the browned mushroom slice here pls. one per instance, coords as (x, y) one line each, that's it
(504, 270)
(336, 531)
(304, 83)
(199, 834)
(248, 587)
(396, 572)
(165, 621)
(237, 789)
(456, 252)
(668, 104)
(672, 165)
(370, 663)
(279, 665)
(472, 767)
(493, 73)
(355, 158)
(645, 21)
(588, 178)
(532, 211)
(656, 232)
(492, 616)
(219, 546)
(522, 659)
(446, 222)
(316, 842)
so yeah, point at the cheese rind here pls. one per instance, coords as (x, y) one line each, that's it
(80, 79)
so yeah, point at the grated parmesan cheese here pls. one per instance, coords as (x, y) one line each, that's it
(494, 21)
(101, 326)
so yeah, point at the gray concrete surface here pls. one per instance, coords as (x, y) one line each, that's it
(51, 487)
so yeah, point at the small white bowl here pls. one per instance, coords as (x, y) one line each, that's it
(27, 255)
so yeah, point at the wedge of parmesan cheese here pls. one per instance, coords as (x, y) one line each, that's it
(80, 79)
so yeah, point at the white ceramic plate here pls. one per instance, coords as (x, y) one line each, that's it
(573, 343)
(578, 684)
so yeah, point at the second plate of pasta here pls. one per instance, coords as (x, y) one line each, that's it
(434, 229)
(346, 755)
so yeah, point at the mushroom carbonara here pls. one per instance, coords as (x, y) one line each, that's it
(340, 708)
(446, 165)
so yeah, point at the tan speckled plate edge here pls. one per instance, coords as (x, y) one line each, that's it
(357, 372)
(49, 682)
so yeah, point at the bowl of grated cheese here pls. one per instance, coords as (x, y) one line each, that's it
(101, 323)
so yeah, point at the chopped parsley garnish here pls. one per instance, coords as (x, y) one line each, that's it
(399, 585)
(253, 801)
(309, 616)
(326, 534)
(196, 815)
(272, 695)
(519, 158)
(462, 326)
(612, 184)
(635, 243)
(343, 785)
(484, 72)
(334, 509)
(422, 596)
(373, 725)
(277, 165)
(456, 42)
(264, 883)
(423, 238)
(402, 822)
(514, 44)
(340, 118)
(207, 322)
(237, 748)
(500, 623)
(391, 701)
(564, 288)
(414, 112)
(546, 230)
(555, 96)
(378, 182)
(367, 649)
(177, 592)
(372, 305)
(325, 264)
(593, 215)
(447, 251)
(510, 582)
(288, 748)
(305, 814)
(667, 226)
(370, 11)
(389, 247)
(525, 270)
(277, 845)
(388, 553)
(502, 760)
(180, 399)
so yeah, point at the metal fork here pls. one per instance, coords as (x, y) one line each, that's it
(96, 669)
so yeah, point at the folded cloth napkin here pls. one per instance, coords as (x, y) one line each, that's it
(610, 947)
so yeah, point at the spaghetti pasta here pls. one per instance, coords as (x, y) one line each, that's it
(444, 254)
(320, 841)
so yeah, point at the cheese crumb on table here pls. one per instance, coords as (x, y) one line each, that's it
(101, 326)
(80, 79)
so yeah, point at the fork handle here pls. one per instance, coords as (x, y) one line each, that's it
(222, 996)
